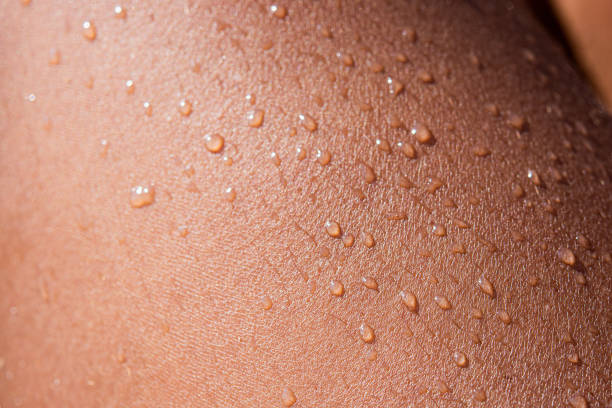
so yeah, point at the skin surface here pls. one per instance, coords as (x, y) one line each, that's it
(215, 298)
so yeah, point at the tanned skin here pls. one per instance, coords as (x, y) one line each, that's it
(475, 183)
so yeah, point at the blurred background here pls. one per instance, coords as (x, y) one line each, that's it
(584, 27)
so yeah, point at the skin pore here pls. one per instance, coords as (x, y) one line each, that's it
(310, 204)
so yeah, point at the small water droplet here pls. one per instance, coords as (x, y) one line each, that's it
(255, 118)
(308, 122)
(148, 109)
(368, 174)
(367, 333)
(369, 283)
(372, 355)
(534, 177)
(480, 396)
(422, 134)
(54, 57)
(583, 241)
(409, 34)
(333, 229)
(266, 303)
(578, 401)
(336, 288)
(129, 86)
(486, 287)
(348, 240)
(425, 77)
(376, 67)
(504, 317)
(214, 143)
(301, 153)
(492, 109)
(395, 86)
(119, 12)
(443, 387)
(477, 313)
(438, 230)
(368, 240)
(410, 301)
(346, 59)
(518, 192)
(573, 358)
(443, 302)
(288, 397)
(278, 11)
(185, 108)
(323, 157)
(142, 196)
(460, 359)
(517, 122)
(481, 151)
(434, 183)
(229, 194)
(566, 256)
(383, 145)
(407, 149)
(400, 57)
(89, 30)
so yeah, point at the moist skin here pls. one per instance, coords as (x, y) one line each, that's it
(196, 198)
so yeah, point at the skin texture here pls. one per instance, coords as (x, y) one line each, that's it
(211, 298)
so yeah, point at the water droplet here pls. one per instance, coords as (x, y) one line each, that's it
(566, 256)
(410, 301)
(275, 159)
(409, 34)
(438, 230)
(54, 57)
(460, 359)
(368, 174)
(376, 67)
(407, 149)
(383, 145)
(573, 358)
(425, 77)
(477, 313)
(214, 143)
(583, 241)
(481, 151)
(255, 118)
(266, 303)
(578, 401)
(434, 183)
(308, 122)
(323, 157)
(518, 192)
(346, 59)
(185, 107)
(532, 280)
(492, 109)
(142, 196)
(367, 333)
(333, 229)
(119, 12)
(504, 317)
(372, 355)
(229, 194)
(288, 397)
(129, 86)
(369, 283)
(517, 122)
(480, 396)
(301, 153)
(148, 109)
(278, 11)
(486, 287)
(395, 86)
(368, 240)
(458, 248)
(422, 134)
(401, 58)
(325, 32)
(25, 3)
(31, 98)
(183, 231)
(534, 177)
(443, 302)
(348, 240)
(336, 288)
(89, 30)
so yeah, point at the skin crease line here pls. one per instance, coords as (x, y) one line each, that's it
(332, 203)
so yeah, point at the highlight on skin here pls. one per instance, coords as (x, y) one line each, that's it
(332, 203)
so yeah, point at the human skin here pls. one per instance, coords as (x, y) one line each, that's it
(193, 295)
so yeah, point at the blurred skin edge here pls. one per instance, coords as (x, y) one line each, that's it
(589, 31)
